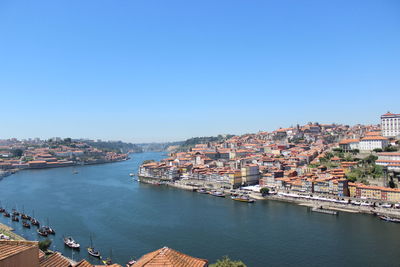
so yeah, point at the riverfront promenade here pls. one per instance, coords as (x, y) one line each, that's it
(344, 207)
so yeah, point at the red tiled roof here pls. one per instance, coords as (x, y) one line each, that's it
(348, 141)
(83, 263)
(374, 138)
(11, 248)
(167, 257)
(54, 260)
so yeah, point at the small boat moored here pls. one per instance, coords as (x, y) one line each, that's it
(70, 242)
(26, 224)
(15, 212)
(49, 230)
(202, 191)
(15, 218)
(41, 231)
(92, 251)
(243, 199)
(217, 194)
(35, 222)
(389, 219)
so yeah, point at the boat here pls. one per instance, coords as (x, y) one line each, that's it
(202, 191)
(70, 242)
(33, 220)
(6, 214)
(130, 263)
(108, 261)
(1, 208)
(23, 215)
(15, 212)
(41, 231)
(15, 218)
(49, 229)
(131, 174)
(26, 224)
(217, 194)
(389, 219)
(92, 251)
(243, 199)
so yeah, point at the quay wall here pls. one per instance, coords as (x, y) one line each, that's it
(303, 202)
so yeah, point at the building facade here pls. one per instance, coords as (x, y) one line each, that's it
(390, 125)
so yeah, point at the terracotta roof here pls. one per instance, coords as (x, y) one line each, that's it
(54, 260)
(11, 248)
(83, 263)
(167, 257)
(390, 114)
(389, 154)
(374, 133)
(41, 254)
(348, 141)
(374, 138)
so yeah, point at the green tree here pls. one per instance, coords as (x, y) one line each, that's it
(378, 150)
(17, 152)
(377, 171)
(370, 159)
(44, 244)
(390, 149)
(264, 191)
(226, 262)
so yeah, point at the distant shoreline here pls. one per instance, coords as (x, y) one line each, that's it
(13, 171)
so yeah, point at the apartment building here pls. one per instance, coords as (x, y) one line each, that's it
(390, 125)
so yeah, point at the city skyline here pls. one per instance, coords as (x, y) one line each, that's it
(156, 72)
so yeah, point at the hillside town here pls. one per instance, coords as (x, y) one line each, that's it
(35, 153)
(360, 161)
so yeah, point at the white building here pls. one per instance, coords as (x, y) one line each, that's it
(369, 143)
(389, 159)
(390, 124)
(349, 144)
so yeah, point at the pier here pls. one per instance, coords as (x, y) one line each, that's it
(321, 210)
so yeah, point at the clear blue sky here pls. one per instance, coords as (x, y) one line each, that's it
(169, 70)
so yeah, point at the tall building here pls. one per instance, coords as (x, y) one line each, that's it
(390, 124)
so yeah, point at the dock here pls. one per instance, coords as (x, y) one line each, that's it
(331, 212)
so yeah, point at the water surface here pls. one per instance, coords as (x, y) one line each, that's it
(133, 219)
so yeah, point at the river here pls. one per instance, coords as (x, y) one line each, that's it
(128, 219)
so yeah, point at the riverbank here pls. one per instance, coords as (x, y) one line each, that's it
(342, 207)
(8, 231)
(75, 164)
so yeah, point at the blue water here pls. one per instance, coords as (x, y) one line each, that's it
(133, 219)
